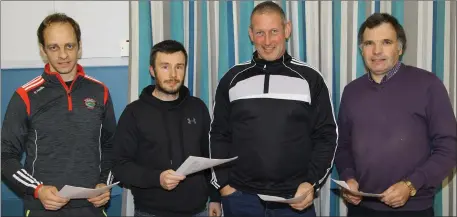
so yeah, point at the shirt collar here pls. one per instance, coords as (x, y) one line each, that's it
(389, 74)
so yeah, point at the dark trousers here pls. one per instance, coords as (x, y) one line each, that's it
(89, 211)
(139, 213)
(356, 211)
(244, 204)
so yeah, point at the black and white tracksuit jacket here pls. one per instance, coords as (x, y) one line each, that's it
(277, 117)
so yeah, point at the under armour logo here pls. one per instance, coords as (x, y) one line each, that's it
(191, 121)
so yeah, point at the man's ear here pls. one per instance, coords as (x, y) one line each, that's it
(43, 54)
(251, 34)
(400, 48)
(287, 29)
(80, 50)
(152, 72)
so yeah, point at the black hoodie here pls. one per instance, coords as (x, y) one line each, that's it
(153, 136)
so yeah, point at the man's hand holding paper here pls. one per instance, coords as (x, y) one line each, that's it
(169, 179)
(351, 191)
(350, 197)
(101, 199)
(304, 189)
(48, 195)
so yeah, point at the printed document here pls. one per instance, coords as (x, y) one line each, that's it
(344, 185)
(72, 192)
(195, 164)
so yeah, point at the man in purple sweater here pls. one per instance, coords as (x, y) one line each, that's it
(397, 130)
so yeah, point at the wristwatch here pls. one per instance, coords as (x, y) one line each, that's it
(412, 189)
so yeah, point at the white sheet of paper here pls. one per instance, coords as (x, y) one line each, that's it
(72, 192)
(344, 185)
(195, 164)
(282, 200)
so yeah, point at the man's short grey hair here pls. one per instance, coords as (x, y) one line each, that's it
(266, 7)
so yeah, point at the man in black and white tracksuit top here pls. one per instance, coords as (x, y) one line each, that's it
(275, 114)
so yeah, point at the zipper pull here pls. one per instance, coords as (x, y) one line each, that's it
(264, 66)
(171, 162)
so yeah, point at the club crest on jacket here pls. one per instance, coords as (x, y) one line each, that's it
(90, 103)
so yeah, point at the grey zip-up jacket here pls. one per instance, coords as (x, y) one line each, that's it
(66, 133)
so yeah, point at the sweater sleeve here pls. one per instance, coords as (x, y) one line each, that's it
(221, 133)
(126, 143)
(344, 162)
(214, 195)
(14, 136)
(442, 130)
(324, 136)
(106, 140)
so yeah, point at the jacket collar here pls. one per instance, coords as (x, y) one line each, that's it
(283, 59)
(55, 78)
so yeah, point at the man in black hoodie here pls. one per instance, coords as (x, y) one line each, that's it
(157, 133)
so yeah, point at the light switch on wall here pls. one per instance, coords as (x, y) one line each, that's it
(125, 47)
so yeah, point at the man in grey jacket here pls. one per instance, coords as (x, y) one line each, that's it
(64, 121)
